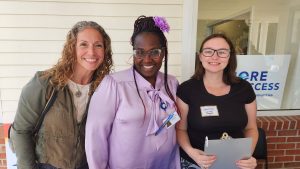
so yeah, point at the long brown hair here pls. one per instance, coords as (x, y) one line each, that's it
(64, 69)
(229, 74)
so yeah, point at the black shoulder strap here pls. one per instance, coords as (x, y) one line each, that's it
(44, 112)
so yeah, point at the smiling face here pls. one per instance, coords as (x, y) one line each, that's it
(148, 67)
(214, 64)
(89, 51)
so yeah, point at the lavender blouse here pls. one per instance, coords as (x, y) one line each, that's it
(120, 134)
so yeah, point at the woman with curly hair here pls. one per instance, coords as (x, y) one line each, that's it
(132, 113)
(59, 143)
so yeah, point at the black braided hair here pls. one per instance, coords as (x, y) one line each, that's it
(147, 24)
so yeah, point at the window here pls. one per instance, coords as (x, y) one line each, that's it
(266, 36)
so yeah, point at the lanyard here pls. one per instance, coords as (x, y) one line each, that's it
(164, 106)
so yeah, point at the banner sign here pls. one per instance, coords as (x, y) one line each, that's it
(267, 75)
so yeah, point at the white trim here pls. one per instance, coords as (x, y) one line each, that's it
(279, 113)
(190, 16)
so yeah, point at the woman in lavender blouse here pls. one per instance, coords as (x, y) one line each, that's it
(126, 126)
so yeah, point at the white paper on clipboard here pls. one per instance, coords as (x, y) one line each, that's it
(228, 151)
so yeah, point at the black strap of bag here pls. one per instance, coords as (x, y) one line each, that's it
(43, 113)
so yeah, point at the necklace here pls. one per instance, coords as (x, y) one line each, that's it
(78, 92)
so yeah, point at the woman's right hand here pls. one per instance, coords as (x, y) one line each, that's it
(204, 161)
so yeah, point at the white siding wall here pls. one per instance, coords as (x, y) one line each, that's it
(32, 34)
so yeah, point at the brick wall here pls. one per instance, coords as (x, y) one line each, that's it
(283, 139)
(2, 148)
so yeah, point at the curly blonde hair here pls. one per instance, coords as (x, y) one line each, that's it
(64, 69)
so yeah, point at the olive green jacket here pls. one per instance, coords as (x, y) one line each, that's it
(60, 140)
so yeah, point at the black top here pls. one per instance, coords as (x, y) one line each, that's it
(232, 116)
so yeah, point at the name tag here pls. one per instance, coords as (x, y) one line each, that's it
(173, 120)
(207, 111)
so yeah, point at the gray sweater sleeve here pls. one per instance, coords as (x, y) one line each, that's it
(31, 103)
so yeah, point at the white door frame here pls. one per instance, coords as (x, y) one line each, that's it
(189, 36)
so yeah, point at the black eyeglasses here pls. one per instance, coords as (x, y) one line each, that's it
(141, 54)
(222, 53)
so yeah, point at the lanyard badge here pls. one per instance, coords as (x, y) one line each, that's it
(170, 120)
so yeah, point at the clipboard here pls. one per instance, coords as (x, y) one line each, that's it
(228, 151)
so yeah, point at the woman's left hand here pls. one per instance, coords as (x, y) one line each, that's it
(247, 164)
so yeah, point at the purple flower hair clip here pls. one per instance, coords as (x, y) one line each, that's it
(161, 22)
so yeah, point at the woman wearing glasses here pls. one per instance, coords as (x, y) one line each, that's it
(132, 113)
(215, 102)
